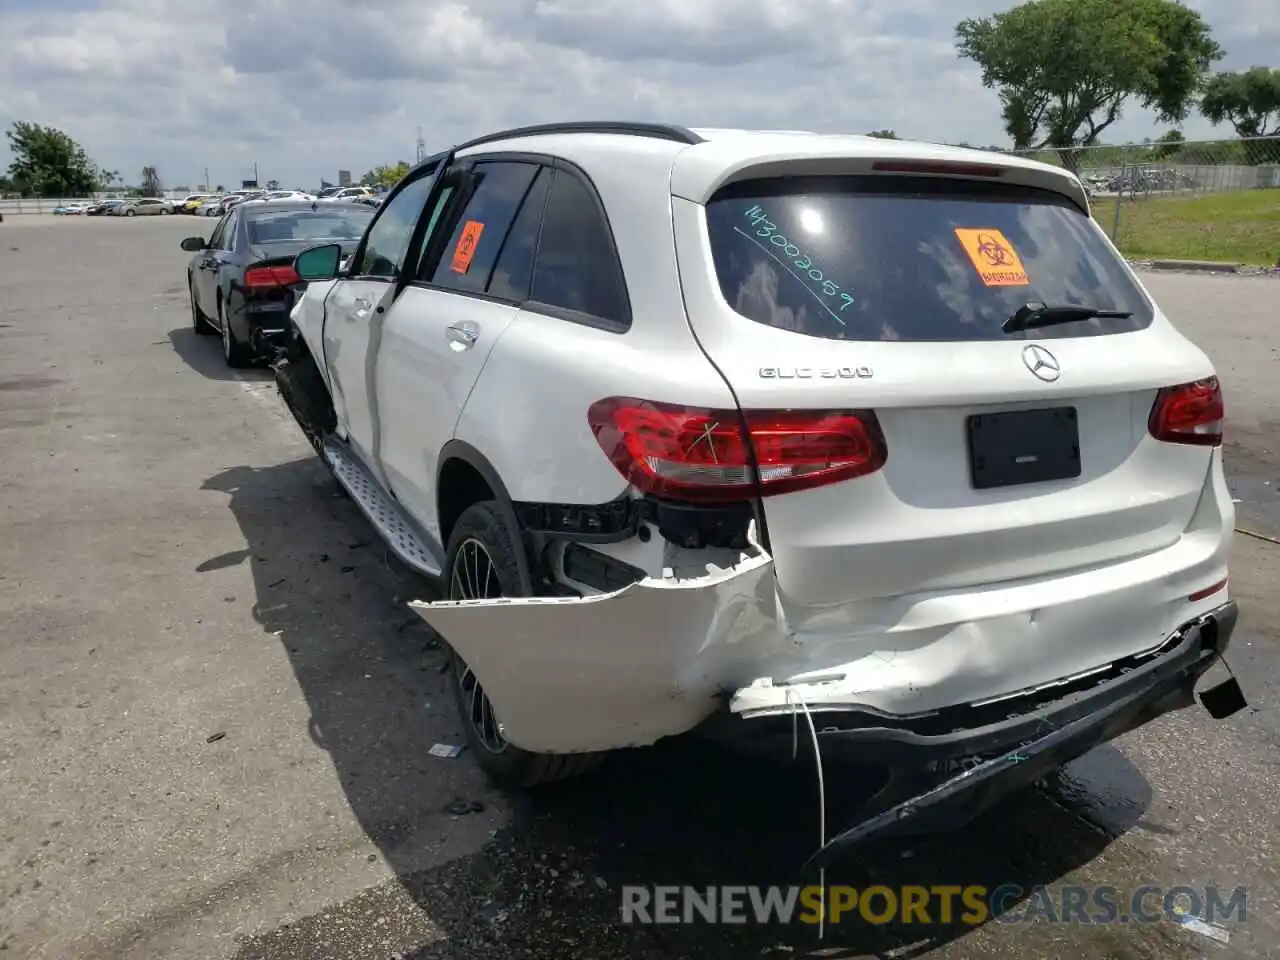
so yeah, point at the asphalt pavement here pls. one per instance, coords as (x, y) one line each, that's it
(216, 711)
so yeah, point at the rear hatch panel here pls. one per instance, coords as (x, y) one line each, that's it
(872, 293)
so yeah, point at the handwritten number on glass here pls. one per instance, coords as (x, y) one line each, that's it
(767, 229)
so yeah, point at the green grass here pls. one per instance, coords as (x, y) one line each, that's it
(1239, 227)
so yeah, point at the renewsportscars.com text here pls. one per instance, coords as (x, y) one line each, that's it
(942, 904)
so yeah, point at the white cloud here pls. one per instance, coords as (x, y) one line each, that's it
(304, 88)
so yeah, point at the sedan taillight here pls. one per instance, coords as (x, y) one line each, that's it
(264, 278)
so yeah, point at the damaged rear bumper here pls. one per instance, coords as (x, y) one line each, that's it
(953, 775)
(268, 325)
(659, 657)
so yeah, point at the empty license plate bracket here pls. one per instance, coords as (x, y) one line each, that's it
(1023, 446)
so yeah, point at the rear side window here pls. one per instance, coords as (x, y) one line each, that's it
(880, 258)
(228, 239)
(443, 197)
(513, 272)
(470, 253)
(577, 267)
(219, 232)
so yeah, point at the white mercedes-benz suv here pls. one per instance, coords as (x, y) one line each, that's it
(705, 428)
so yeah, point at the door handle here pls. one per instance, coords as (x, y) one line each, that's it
(462, 336)
(360, 303)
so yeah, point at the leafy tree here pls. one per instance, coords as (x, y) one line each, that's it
(1064, 69)
(387, 176)
(1167, 145)
(273, 184)
(150, 185)
(1249, 100)
(48, 163)
(883, 135)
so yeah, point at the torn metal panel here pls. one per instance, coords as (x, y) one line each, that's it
(569, 674)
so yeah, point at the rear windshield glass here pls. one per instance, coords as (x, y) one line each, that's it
(339, 224)
(881, 258)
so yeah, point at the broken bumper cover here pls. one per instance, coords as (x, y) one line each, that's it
(660, 657)
(268, 324)
(267, 336)
(1000, 757)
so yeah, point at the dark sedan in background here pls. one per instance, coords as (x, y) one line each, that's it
(241, 280)
(103, 207)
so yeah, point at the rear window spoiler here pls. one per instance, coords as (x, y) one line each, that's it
(699, 172)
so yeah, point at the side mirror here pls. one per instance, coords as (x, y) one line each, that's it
(192, 244)
(318, 263)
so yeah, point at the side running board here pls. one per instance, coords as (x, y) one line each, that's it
(396, 529)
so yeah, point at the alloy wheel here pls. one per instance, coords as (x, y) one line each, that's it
(475, 578)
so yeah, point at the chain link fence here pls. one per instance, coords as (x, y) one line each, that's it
(1215, 200)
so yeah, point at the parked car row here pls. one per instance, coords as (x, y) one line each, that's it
(347, 193)
(209, 204)
(116, 207)
(217, 206)
(75, 208)
(1140, 180)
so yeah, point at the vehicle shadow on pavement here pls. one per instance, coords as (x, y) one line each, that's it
(204, 355)
(548, 885)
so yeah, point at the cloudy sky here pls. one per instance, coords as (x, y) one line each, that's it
(304, 87)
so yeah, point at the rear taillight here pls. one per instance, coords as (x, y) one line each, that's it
(260, 278)
(701, 455)
(1189, 413)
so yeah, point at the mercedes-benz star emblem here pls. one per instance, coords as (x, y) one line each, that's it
(1041, 362)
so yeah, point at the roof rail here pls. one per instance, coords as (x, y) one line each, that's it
(657, 131)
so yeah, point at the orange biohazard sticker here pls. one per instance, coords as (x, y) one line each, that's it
(466, 248)
(993, 256)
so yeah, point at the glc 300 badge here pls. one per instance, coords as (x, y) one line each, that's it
(815, 373)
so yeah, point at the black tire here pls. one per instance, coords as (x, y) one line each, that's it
(165, 211)
(233, 351)
(304, 392)
(129, 213)
(199, 322)
(482, 525)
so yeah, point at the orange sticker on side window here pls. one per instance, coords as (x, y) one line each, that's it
(993, 256)
(466, 248)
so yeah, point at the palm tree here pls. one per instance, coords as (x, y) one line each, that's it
(151, 182)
